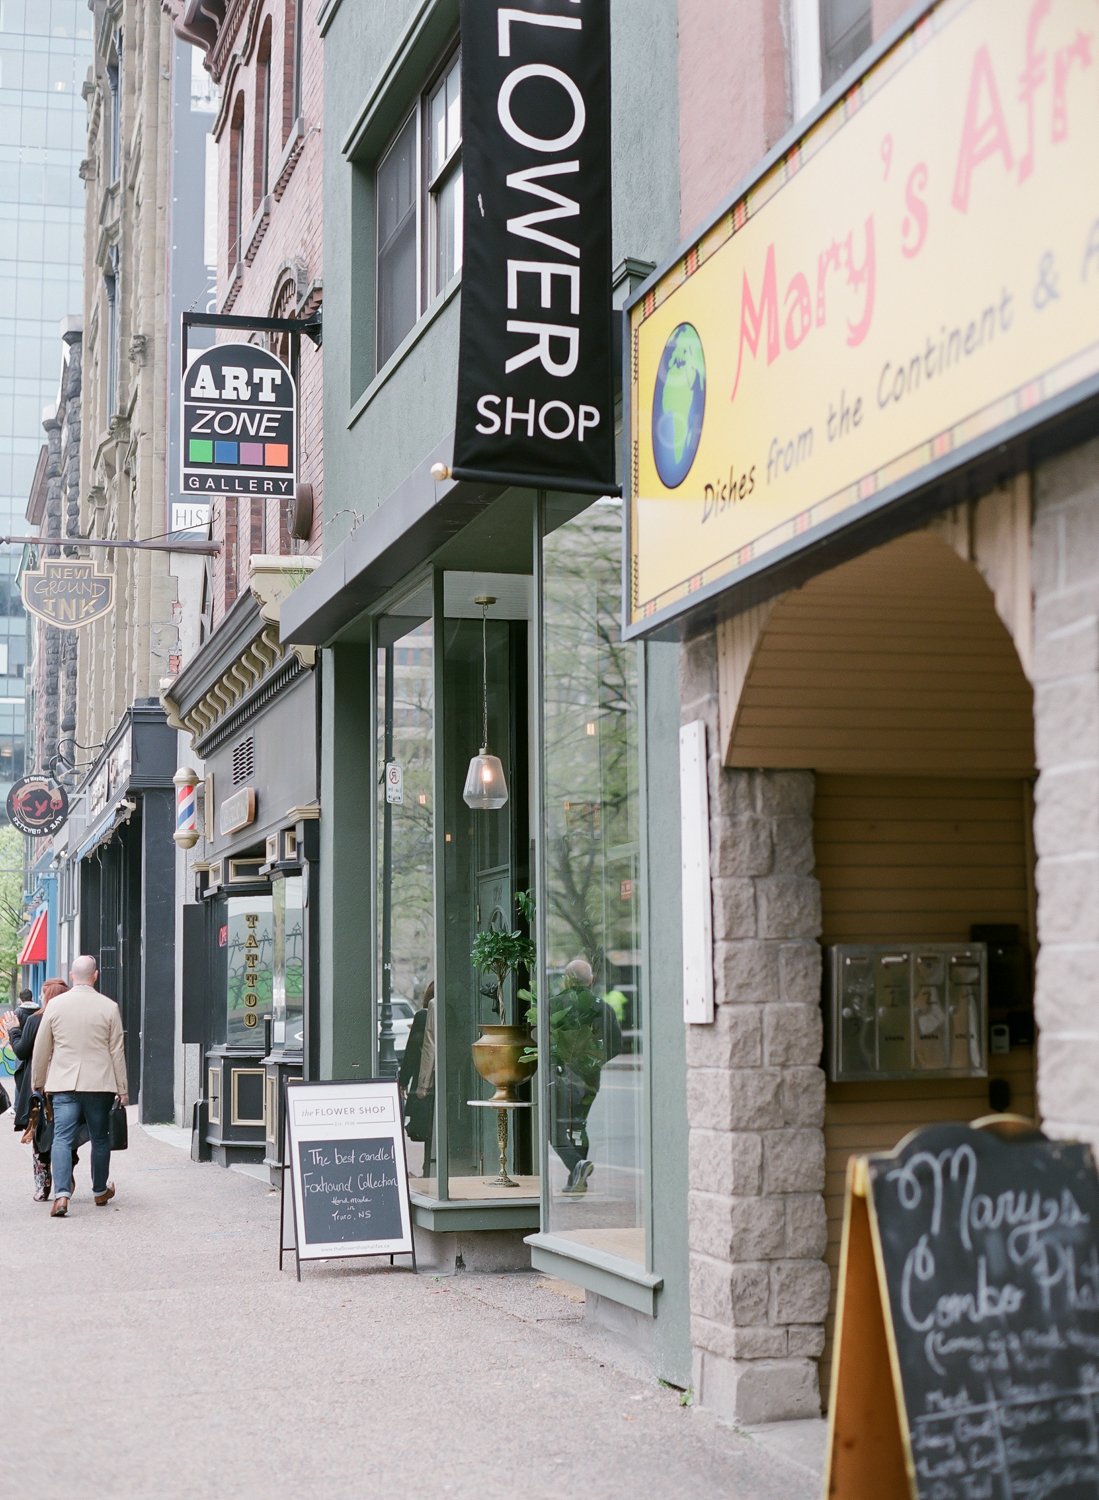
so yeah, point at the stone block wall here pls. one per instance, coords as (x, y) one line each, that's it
(1065, 572)
(755, 1091)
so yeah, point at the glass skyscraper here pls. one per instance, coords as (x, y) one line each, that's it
(45, 53)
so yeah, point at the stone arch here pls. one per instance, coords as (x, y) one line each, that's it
(903, 674)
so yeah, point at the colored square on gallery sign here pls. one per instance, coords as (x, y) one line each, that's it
(201, 451)
(277, 455)
(225, 453)
(252, 454)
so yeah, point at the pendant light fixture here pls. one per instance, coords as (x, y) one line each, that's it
(485, 786)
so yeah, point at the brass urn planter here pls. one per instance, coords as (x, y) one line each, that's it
(498, 1057)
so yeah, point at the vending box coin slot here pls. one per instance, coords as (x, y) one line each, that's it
(906, 1011)
(893, 975)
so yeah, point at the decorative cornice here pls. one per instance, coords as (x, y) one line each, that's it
(243, 664)
(273, 579)
(232, 723)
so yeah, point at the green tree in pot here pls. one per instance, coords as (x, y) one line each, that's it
(500, 1055)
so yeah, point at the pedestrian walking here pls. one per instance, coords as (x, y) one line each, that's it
(584, 1037)
(79, 1061)
(417, 1075)
(30, 1108)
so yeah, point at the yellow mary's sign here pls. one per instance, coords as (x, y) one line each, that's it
(914, 280)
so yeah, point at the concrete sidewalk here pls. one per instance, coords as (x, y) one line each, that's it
(154, 1350)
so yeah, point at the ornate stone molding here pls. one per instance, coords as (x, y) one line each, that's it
(273, 579)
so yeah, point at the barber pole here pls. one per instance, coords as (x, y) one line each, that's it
(186, 781)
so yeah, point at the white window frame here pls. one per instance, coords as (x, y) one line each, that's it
(804, 56)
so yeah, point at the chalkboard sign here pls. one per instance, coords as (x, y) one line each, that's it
(346, 1163)
(967, 1331)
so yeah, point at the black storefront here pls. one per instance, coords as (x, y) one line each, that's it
(121, 861)
(249, 925)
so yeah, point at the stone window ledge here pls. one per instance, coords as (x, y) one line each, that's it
(597, 1271)
(288, 160)
(232, 291)
(258, 229)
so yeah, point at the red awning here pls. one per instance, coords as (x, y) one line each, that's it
(34, 949)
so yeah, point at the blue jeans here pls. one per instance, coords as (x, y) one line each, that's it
(68, 1109)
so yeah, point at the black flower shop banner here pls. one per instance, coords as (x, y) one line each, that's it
(535, 392)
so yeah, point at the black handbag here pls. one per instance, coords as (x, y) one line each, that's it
(118, 1128)
(43, 1128)
(5, 1102)
(419, 1115)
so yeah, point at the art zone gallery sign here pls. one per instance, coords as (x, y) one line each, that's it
(239, 414)
(535, 379)
(907, 287)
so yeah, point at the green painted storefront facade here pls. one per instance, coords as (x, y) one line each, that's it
(405, 556)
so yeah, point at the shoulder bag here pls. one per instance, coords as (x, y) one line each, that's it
(43, 1128)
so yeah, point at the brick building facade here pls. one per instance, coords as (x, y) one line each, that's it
(266, 59)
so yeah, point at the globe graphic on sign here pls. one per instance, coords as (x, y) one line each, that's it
(679, 404)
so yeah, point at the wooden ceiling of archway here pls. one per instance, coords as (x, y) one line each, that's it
(895, 662)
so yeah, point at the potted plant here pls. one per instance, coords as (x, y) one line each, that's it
(503, 1054)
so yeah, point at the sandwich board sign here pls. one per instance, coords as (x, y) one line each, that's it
(239, 415)
(967, 1330)
(345, 1159)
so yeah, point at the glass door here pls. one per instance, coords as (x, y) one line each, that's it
(592, 998)
(405, 822)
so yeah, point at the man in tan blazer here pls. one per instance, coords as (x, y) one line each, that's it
(79, 1060)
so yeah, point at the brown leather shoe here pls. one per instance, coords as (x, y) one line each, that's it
(102, 1199)
(60, 1208)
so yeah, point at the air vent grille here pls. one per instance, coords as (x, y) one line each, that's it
(244, 760)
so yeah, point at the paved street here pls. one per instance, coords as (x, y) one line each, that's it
(152, 1349)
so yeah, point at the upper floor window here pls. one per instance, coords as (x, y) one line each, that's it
(110, 289)
(827, 37)
(291, 72)
(236, 184)
(262, 134)
(114, 84)
(846, 30)
(419, 209)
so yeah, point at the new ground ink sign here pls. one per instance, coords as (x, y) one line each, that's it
(535, 391)
(239, 416)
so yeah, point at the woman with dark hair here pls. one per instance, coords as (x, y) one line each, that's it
(30, 1107)
(417, 1075)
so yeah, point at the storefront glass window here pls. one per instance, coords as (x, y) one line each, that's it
(405, 854)
(590, 1036)
(249, 940)
(486, 866)
(288, 977)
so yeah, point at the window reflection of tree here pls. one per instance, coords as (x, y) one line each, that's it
(413, 853)
(238, 934)
(295, 960)
(590, 678)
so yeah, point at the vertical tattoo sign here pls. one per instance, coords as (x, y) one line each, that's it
(535, 392)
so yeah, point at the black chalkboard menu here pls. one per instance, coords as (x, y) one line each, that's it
(346, 1165)
(967, 1330)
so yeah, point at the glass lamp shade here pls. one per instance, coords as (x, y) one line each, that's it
(485, 786)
